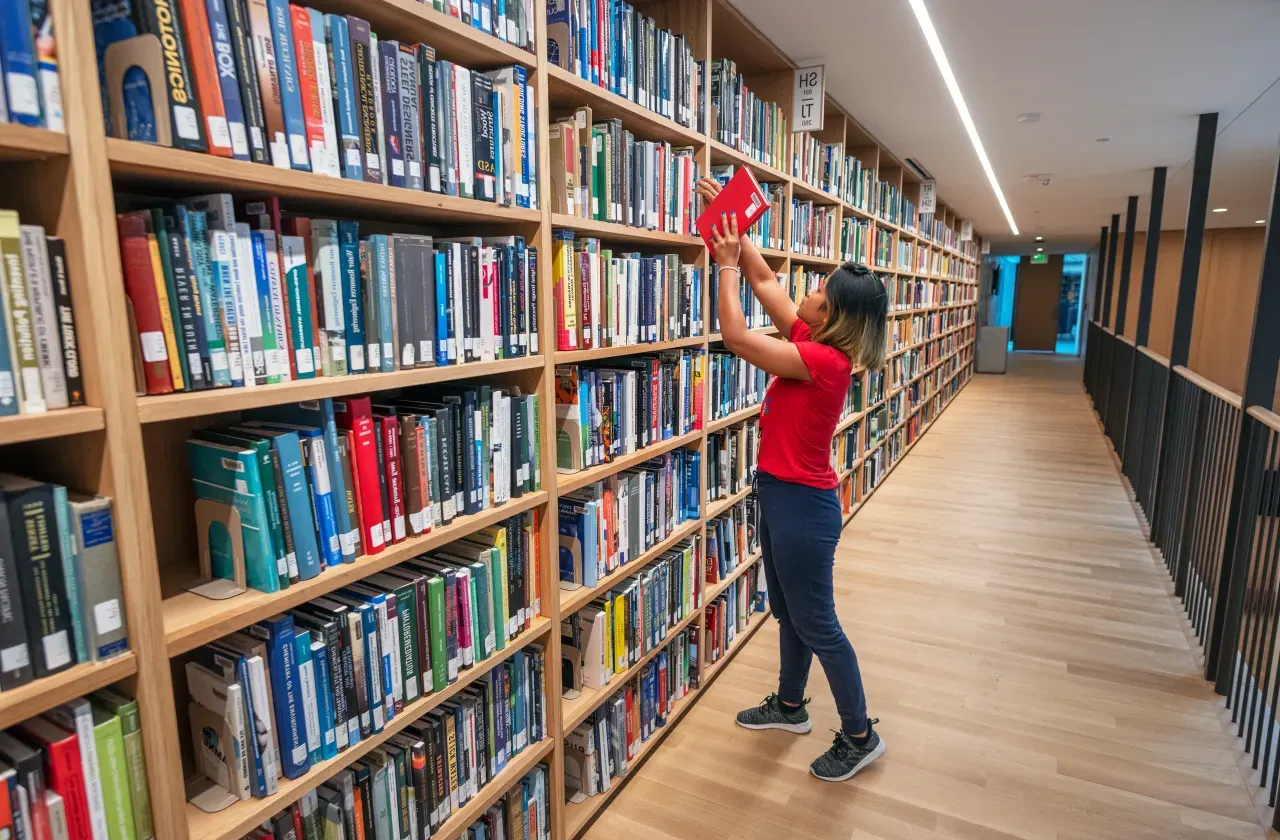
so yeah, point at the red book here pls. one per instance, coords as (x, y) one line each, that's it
(389, 428)
(420, 438)
(742, 195)
(349, 439)
(204, 71)
(140, 287)
(64, 771)
(584, 301)
(305, 51)
(355, 415)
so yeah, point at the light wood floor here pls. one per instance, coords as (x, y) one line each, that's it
(1017, 641)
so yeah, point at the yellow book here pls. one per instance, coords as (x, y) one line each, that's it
(166, 314)
(620, 634)
(608, 634)
(566, 290)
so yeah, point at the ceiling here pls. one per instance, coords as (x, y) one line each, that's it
(1137, 72)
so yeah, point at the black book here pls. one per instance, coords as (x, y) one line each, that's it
(471, 299)
(66, 321)
(326, 631)
(247, 76)
(519, 457)
(190, 309)
(28, 763)
(161, 19)
(431, 148)
(484, 179)
(15, 664)
(366, 99)
(38, 555)
(425, 309)
(352, 686)
(364, 781)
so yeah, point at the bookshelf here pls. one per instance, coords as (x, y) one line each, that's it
(128, 446)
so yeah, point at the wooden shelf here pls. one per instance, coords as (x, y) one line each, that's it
(241, 817)
(568, 482)
(567, 91)
(753, 624)
(735, 417)
(805, 191)
(718, 589)
(564, 357)
(769, 330)
(51, 424)
(453, 40)
(773, 253)
(20, 143)
(41, 695)
(191, 620)
(722, 155)
(612, 232)
(575, 711)
(719, 506)
(572, 600)
(218, 400)
(461, 819)
(177, 172)
(828, 262)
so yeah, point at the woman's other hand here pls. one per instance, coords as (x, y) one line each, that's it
(725, 245)
(708, 188)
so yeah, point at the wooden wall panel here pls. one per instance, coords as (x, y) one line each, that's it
(1225, 299)
(1165, 298)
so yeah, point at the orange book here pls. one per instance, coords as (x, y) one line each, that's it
(204, 69)
(309, 88)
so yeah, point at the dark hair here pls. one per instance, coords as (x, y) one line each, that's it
(857, 315)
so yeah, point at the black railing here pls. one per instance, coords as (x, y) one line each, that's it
(1102, 375)
(1146, 422)
(1117, 415)
(1091, 351)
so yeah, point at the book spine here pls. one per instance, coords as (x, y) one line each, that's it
(298, 286)
(392, 117)
(44, 315)
(20, 88)
(67, 559)
(410, 114)
(205, 74)
(190, 328)
(345, 98)
(161, 19)
(167, 299)
(242, 46)
(362, 75)
(222, 286)
(431, 139)
(325, 94)
(352, 295)
(224, 55)
(249, 309)
(304, 53)
(140, 287)
(258, 16)
(290, 93)
(44, 594)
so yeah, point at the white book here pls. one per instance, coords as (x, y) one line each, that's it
(376, 72)
(223, 700)
(244, 288)
(488, 303)
(466, 147)
(57, 810)
(327, 259)
(278, 360)
(326, 159)
(310, 703)
(44, 315)
(265, 722)
(77, 716)
(222, 254)
(391, 644)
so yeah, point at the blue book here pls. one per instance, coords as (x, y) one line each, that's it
(352, 293)
(442, 308)
(520, 85)
(18, 58)
(308, 692)
(286, 692)
(324, 701)
(318, 472)
(372, 665)
(519, 668)
(344, 88)
(392, 119)
(221, 259)
(295, 125)
(226, 659)
(228, 476)
(296, 479)
(220, 32)
(319, 415)
(193, 224)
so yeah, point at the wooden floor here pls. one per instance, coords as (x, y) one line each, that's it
(1018, 642)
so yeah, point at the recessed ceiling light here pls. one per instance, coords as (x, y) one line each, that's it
(1260, 222)
(1040, 249)
(1029, 116)
(944, 67)
(1219, 209)
(1103, 140)
(1039, 238)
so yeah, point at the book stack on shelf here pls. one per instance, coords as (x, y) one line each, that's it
(390, 330)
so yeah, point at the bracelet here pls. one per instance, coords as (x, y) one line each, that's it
(720, 269)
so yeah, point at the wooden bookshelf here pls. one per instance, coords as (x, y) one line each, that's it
(118, 443)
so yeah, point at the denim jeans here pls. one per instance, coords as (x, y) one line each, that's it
(799, 529)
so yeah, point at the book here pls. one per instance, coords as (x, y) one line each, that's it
(741, 196)
(37, 545)
(126, 709)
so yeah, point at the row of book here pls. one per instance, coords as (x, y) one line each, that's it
(609, 410)
(600, 171)
(857, 184)
(619, 48)
(735, 384)
(606, 298)
(891, 205)
(221, 300)
(905, 262)
(523, 813)
(883, 248)
(59, 581)
(77, 771)
(623, 625)
(613, 522)
(601, 749)
(322, 678)
(727, 616)
(742, 120)
(408, 786)
(39, 349)
(804, 281)
(821, 165)
(813, 228)
(844, 449)
(732, 539)
(875, 386)
(286, 85)
(752, 311)
(304, 487)
(855, 240)
(732, 455)
(30, 91)
(853, 398)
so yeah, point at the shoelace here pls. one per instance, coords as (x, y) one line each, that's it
(772, 702)
(844, 745)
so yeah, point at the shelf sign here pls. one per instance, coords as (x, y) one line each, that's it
(986, 246)
(1039, 259)
(807, 98)
(966, 231)
(928, 197)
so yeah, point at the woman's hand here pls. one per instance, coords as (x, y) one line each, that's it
(708, 188)
(725, 245)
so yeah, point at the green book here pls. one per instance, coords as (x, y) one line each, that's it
(126, 708)
(113, 768)
(599, 201)
(298, 285)
(407, 612)
(162, 237)
(62, 513)
(498, 583)
(483, 614)
(439, 656)
(477, 632)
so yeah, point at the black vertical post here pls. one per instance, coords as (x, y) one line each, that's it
(1098, 277)
(1153, 252)
(1111, 268)
(1126, 264)
(1189, 275)
(1259, 390)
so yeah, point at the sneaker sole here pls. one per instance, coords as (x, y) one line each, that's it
(797, 728)
(872, 756)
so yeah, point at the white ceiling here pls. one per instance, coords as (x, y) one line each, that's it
(1135, 71)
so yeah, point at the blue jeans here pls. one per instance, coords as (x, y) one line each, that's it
(799, 530)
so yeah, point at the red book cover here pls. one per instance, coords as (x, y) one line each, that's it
(742, 195)
(356, 416)
(354, 489)
(309, 87)
(662, 688)
(420, 437)
(140, 286)
(204, 71)
(631, 727)
(584, 301)
(64, 771)
(296, 813)
(389, 428)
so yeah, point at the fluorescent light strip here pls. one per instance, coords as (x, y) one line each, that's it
(944, 66)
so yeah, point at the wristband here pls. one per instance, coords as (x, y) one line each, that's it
(734, 268)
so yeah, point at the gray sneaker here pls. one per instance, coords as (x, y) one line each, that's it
(845, 758)
(772, 715)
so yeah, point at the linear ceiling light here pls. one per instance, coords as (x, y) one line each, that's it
(944, 66)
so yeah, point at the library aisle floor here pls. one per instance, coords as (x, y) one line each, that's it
(1018, 642)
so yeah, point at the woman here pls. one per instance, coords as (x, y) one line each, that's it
(835, 328)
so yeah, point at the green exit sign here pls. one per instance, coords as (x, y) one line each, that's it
(1039, 259)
